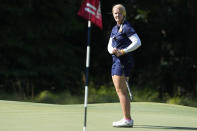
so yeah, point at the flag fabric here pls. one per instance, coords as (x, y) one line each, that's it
(91, 10)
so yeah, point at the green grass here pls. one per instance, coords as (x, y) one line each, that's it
(24, 116)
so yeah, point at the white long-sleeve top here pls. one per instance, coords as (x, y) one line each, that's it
(136, 43)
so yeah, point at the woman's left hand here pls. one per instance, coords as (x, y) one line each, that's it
(119, 53)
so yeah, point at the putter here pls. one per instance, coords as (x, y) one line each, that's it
(127, 84)
(129, 90)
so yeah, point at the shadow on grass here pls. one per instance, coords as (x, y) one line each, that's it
(165, 127)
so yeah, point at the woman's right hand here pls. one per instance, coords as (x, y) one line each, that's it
(114, 51)
(117, 52)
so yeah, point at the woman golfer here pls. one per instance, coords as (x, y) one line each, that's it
(122, 42)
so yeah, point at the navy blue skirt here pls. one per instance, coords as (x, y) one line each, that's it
(123, 65)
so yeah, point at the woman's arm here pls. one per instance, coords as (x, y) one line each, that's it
(109, 47)
(136, 43)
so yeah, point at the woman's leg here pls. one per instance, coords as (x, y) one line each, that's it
(121, 89)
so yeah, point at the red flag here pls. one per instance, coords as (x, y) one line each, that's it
(91, 10)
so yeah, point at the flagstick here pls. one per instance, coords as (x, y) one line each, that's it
(87, 69)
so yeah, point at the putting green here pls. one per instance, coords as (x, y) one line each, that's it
(25, 116)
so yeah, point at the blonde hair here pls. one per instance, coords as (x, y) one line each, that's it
(122, 11)
(121, 8)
